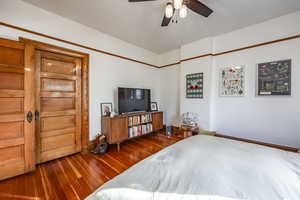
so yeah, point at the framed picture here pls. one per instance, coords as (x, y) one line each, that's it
(106, 109)
(194, 86)
(232, 81)
(274, 78)
(154, 106)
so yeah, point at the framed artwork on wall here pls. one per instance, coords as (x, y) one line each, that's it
(106, 109)
(154, 106)
(232, 81)
(274, 78)
(194, 86)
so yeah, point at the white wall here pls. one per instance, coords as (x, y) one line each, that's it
(200, 106)
(106, 72)
(169, 86)
(269, 119)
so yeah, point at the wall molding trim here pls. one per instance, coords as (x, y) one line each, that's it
(75, 44)
(285, 148)
(235, 50)
(144, 63)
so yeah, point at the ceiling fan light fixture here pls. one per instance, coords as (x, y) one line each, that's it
(177, 4)
(183, 11)
(169, 10)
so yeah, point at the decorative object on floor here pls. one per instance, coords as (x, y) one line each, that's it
(154, 106)
(187, 131)
(190, 119)
(194, 85)
(232, 81)
(101, 145)
(189, 123)
(169, 130)
(106, 109)
(274, 78)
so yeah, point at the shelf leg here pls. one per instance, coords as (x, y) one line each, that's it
(118, 147)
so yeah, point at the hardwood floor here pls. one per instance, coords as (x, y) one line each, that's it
(76, 176)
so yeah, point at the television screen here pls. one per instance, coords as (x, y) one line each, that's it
(133, 100)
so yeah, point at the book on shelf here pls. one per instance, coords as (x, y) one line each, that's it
(146, 128)
(134, 120)
(139, 125)
(146, 118)
(135, 131)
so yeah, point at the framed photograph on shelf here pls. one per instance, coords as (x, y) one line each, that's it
(106, 109)
(232, 81)
(154, 106)
(194, 86)
(274, 78)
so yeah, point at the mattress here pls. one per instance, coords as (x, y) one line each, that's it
(208, 168)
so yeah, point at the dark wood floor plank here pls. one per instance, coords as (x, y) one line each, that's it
(75, 180)
(76, 176)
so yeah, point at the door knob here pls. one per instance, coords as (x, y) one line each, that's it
(29, 116)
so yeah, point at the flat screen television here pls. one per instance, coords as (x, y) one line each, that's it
(133, 100)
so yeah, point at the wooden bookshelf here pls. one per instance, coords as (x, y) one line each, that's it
(124, 127)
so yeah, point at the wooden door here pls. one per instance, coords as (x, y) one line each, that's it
(16, 102)
(58, 92)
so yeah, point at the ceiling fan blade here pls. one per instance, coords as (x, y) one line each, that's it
(139, 0)
(199, 8)
(166, 21)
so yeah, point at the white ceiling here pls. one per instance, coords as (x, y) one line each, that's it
(139, 23)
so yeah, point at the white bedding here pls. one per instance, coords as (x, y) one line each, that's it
(208, 168)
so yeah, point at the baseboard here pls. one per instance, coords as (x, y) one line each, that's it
(286, 148)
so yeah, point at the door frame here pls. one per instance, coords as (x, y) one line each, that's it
(84, 77)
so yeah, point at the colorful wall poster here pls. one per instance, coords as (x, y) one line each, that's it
(274, 78)
(232, 81)
(194, 85)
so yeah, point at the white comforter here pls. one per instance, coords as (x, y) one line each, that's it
(208, 168)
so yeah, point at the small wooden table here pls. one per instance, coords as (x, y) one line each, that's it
(187, 131)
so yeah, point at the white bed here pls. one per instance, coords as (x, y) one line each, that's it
(208, 168)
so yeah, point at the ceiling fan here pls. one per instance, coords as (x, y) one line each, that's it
(181, 6)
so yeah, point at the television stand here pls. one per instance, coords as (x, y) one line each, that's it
(133, 112)
(128, 126)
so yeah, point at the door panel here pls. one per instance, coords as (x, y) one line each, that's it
(11, 105)
(12, 53)
(57, 142)
(13, 81)
(9, 130)
(57, 123)
(59, 102)
(16, 100)
(57, 153)
(59, 67)
(6, 153)
(57, 85)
